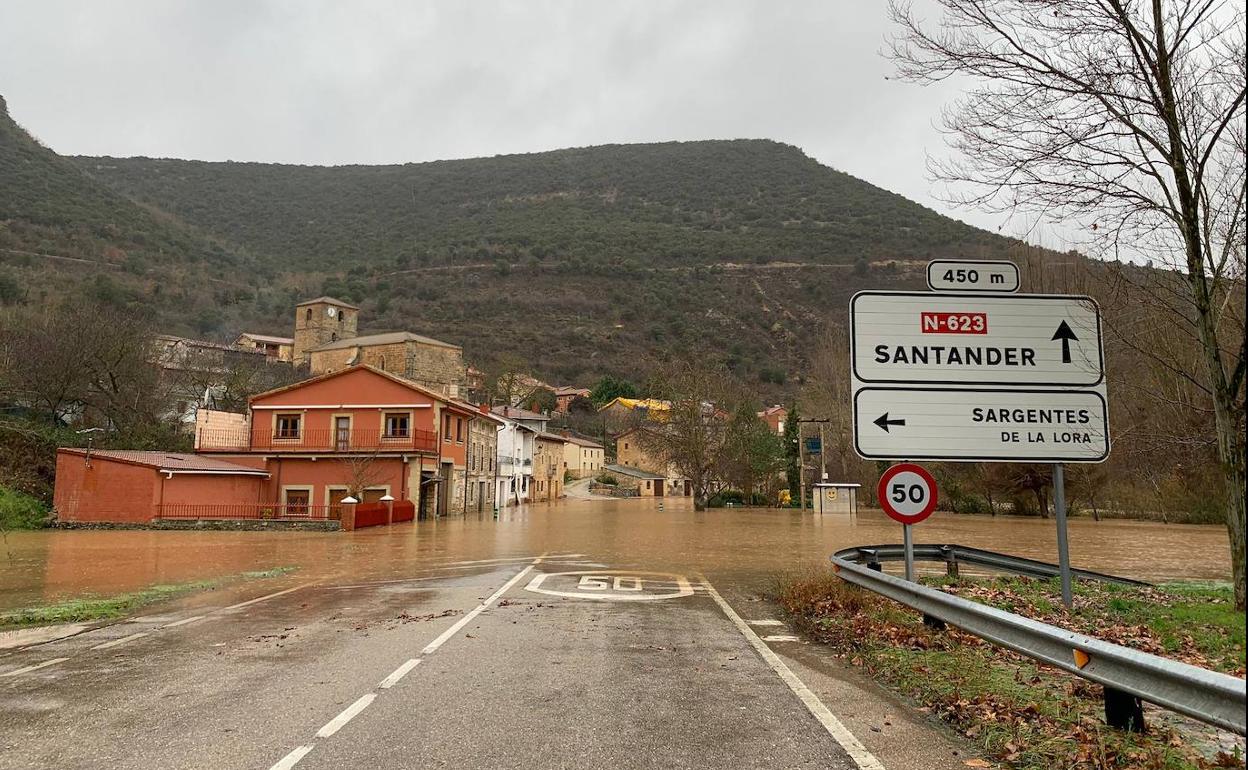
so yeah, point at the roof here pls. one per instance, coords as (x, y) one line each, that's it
(476, 410)
(571, 390)
(171, 339)
(516, 413)
(582, 442)
(268, 338)
(170, 462)
(541, 436)
(388, 338)
(636, 473)
(772, 410)
(421, 389)
(327, 301)
(651, 404)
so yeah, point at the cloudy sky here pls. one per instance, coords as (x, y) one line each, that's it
(392, 82)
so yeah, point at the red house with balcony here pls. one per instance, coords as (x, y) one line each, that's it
(309, 444)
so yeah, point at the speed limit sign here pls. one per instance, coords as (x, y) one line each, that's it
(907, 493)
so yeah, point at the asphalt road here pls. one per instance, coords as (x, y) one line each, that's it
(554, 662)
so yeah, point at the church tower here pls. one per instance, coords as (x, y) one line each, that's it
(322, 320)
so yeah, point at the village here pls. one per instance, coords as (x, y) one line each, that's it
(372, 429)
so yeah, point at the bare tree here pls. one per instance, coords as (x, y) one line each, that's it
(693, 434)
(1127, 118)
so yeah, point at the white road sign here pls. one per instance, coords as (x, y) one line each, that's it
(972, 275)
(1024, 340)
(981, 424)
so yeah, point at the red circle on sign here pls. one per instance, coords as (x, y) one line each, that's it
(882, 493)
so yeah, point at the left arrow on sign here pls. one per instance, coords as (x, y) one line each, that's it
(884, 422)
(1065, 334)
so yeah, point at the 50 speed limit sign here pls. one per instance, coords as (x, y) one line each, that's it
(907, 493)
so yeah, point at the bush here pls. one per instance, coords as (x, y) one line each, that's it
(20, 511)
(727, 497)
(608, 479)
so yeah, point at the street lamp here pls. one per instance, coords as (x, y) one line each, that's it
(90, 439)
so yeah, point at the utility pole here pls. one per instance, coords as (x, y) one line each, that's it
(801, 465)
(823, 454)
(801, 453)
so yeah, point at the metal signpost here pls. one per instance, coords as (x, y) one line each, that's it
(907, 493)
(962, 374)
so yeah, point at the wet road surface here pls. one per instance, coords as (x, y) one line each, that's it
(634, 638)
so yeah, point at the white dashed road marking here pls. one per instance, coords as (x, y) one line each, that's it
(780, 638)
(350, 712)
(346, 715)
(839, 732)
(398, 674)
(183, 621)
(121, 641)
(35, 667)
(292, 759)
(765, 622)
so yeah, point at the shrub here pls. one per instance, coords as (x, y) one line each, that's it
(20, 511)
(608, 479)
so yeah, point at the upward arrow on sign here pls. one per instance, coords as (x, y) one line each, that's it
(1065, 334)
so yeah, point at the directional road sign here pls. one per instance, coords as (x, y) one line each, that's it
(1023, 340)
(981, 424)
(907, 493)
(972, 275)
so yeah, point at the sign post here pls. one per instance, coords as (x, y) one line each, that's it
(907, 493)
(1063, 542)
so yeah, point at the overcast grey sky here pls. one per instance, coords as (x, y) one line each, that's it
(393, 82)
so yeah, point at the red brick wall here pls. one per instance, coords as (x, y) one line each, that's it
(106, 491)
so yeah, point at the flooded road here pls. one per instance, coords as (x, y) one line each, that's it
(743, 548)
(576, 634)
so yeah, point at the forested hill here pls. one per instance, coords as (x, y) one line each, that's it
(678, 203)
(578, 262)
(52, 213)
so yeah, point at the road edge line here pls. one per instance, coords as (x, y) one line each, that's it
(835, 727)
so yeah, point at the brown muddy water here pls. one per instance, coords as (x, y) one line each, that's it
(745, 548)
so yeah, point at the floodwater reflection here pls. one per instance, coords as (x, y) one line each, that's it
(743, 547)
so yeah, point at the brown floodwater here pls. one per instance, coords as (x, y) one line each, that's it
(743, 547)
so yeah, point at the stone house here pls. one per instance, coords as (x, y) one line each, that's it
(274, 348)
(631, 451)
(481, 468)
(432, 363)
(549, 466)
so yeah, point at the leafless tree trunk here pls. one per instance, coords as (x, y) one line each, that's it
(1126, 118)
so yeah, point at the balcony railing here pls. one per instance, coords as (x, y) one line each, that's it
(314, 440)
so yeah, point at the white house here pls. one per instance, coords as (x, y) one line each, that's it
(515, 461)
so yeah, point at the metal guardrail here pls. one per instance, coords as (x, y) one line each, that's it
(953, 555)
(1209, 696)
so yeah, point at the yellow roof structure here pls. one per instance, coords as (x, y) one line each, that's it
(649, 404)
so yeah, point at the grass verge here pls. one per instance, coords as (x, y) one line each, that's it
(1021, 714)
(87, 608)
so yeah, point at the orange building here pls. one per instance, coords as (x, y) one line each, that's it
(295, 455)
(355, 429)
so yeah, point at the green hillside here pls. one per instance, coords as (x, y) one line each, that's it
(584, 261)
(679, 203)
